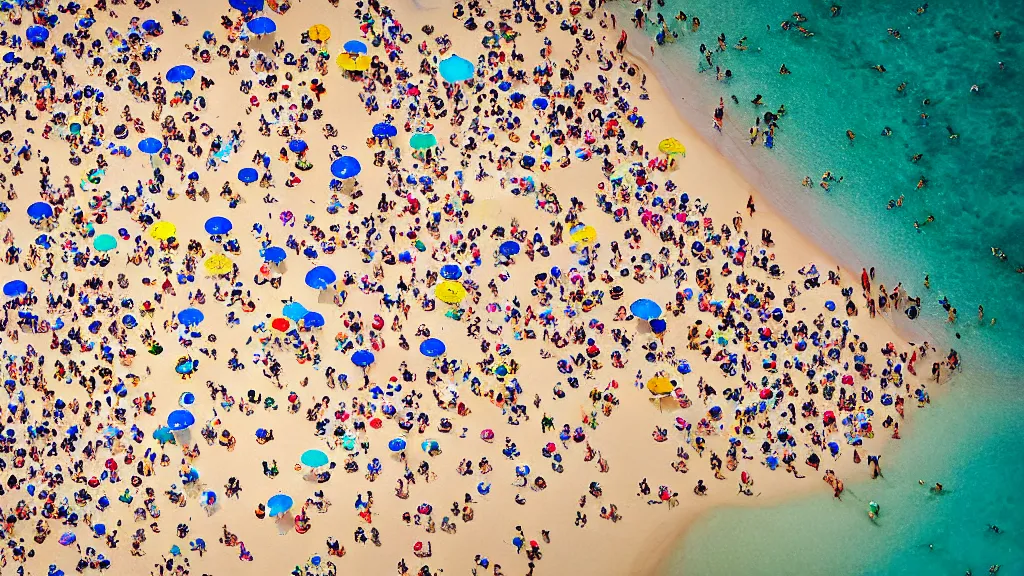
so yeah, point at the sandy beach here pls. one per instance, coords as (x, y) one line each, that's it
(477, 303)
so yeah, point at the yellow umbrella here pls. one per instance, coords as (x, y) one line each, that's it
(353, 62)
(163, 230)
(218, 264)
(450, 292)
(585, 235)
(672, 146)
(660, 385)
(319, 33)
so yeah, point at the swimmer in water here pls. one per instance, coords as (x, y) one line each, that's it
(921, 9)
(916, 157)
(836, 10)
(952, 135)
(783, 70)
(995, 528)
(850, 135)
(886, 131)
(878, 67)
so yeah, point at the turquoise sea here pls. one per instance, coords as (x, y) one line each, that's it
(969, 438)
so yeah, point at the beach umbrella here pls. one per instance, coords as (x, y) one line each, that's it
(15, 288)
(660, 385)
(248, 175)
(246, 5)
(658, 325)
(191, 316)
(150, 145)
(508, 248)
(218, 264)
(353, 62)
(583, 234)
(37, 34)
(430, 445)
(261, 25)
(422, 141)
(67, 539)
(279, 504)
(217, 225)
(384, 130)
(39, 210)
(10, 58)
(104, 243)
(163, 435)
(684, 368)
(451, 272)
(432, 347)
(163, 230)
(280, 324)
(450, 292)
(180, 73)
(455, 69)
(645, 309)
(523, 470)
(275, 254)
(396, 444)
(362, 358)
(321, 278)
(150, 25)
(314, 458)
(540, 103)
(354, 47)
(180, 420)
(319, 33)
(294, 311)
(672, 147)
(298, 146)
(345, 167)
(313, 320)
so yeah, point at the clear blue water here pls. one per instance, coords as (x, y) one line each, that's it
(970, 438)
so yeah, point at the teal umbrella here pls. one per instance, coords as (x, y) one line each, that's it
(104, 243)
(163, 435)
(314, 458)
(422, 141)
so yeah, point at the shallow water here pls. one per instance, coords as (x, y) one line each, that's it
(968, 439)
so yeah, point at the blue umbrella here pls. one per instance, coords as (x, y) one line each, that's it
(313, 320)
(384, 130)
(248, 175)
(523, 470)
(540, 103)
(294, 311)
(129, 321)
(39, 210)
(15, 288)
(321, 278)
(150, 25)
(354, 47)
(684, 367)
(180, 420)
(10, 57)
(345, 167)
(37, 34)
(150, 146)
(275, 254)
(298, 146)
(180, 73)
(645, 309)
(362, 358)
(509, 248)
(432, 347)
(246, 5)
(217, 225)
(261, 25)
(191, 316)
(163, 435)
(451, 272)
(396, 444)
(279, 504)
(658, 325)
(455, 69)
(314, 458)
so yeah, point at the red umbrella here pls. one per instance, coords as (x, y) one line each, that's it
(280, 324)
(111, 464)
(765, 394)
(376, 423)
